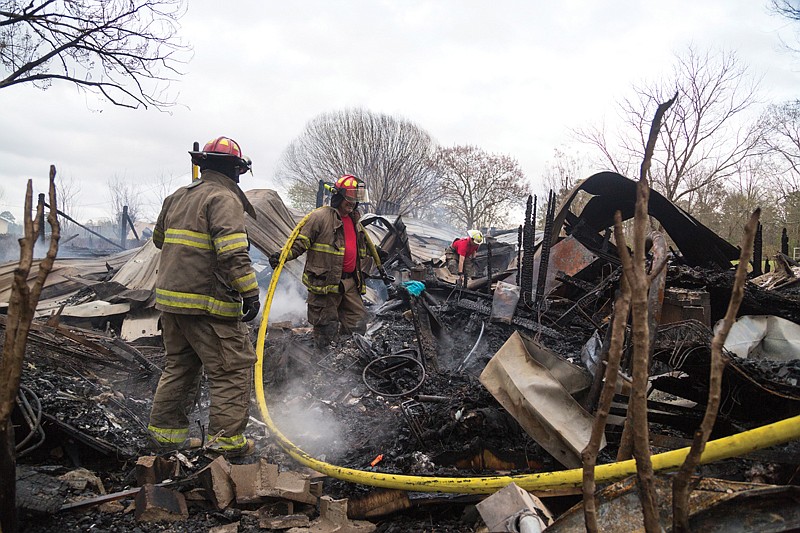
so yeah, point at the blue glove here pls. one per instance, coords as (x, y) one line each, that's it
(414, 287)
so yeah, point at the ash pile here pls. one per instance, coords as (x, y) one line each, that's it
(500, 377)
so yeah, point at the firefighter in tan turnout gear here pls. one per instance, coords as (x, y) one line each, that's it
(336, 244)
(206, 288)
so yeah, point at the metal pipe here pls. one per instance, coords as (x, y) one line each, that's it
(480, 336)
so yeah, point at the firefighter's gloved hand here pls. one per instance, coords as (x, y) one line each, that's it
(274, 259)
(250, 307)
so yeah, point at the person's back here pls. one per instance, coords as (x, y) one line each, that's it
(204, 264)
(206, 287)
(460, 254)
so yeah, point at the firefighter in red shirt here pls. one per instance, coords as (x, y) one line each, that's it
(460, 255)
(336, 245)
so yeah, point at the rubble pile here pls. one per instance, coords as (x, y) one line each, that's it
(499, 377)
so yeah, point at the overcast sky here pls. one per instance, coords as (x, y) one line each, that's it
(508, 76)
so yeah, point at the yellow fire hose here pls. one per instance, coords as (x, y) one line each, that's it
(724, 448)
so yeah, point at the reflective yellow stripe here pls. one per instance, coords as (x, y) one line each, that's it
(226, 444)
(326, 249)
(246, 283)
(168, 436)
(305, 239)
(186, 237)
(230, 242)
(325, 289)
(362, 252)
(188, 300)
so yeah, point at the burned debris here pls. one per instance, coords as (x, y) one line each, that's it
(493, 381)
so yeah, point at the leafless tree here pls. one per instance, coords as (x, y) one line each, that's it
(126, 51)
(68, 190)
(782, 140)
(786, 8)
(125, 192)
(479, 188)
(563, 172)
(392, 155)
(706, 135)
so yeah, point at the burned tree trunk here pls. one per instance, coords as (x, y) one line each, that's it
(680, 484)
(22, 306)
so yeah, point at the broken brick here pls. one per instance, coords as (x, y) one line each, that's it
(156, 504)
(216, 479)
(153, 469)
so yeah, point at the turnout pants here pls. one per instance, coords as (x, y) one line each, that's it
(330, 313)
(452, 263)
(223, 348)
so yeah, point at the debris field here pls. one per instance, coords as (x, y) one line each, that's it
(498, 378)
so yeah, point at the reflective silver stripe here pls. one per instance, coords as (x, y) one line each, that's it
(187, 300)
(186, 237)
(246, 283)
(326, 249)
(230, 242)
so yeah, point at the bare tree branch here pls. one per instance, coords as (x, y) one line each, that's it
(706, 135)
(101, 46)
(680, 483)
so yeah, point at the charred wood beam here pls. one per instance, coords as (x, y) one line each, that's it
(90, 441)
(517, 320)
(135, 355)
(60, 213)
(528, 245)
(758, 252)
(544, 256)
(519, 252)
(420, 317)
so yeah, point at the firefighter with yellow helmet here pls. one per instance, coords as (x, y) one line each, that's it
(460, 255)
(206, 289)
(336, 245)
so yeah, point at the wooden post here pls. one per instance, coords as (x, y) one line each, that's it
(123, 226)
(40, 218)
(320, 193)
